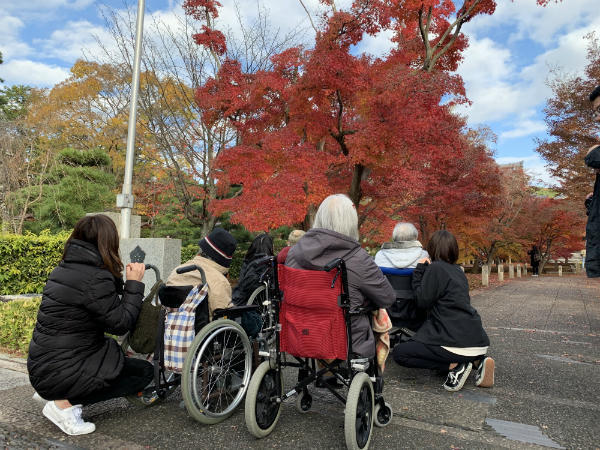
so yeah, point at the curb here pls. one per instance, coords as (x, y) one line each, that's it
(13, 363)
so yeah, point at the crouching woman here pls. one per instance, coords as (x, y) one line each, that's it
(71, 362)
(452, 338)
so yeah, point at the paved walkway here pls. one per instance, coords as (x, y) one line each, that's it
(545, 335)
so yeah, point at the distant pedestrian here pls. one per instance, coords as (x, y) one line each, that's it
(535, 259)
(71, 362)
(592, 201)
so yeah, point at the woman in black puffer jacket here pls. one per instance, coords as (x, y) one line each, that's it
(71, 361)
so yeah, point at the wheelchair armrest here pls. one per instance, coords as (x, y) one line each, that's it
(234, 311)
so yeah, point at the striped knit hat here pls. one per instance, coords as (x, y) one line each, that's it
(219, 245)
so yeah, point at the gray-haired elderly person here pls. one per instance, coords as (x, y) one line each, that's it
(335, 235)
(404, 251)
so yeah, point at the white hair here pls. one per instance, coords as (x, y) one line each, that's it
(337, 213)
(404, 231)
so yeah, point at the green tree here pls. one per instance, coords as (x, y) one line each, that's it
(78, 183)
(14, 102)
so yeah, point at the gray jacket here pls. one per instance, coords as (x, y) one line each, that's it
(367, 285)
(400, 255)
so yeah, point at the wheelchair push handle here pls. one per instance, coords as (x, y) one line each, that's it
(155, 269)
(191, 267)
(333, 264)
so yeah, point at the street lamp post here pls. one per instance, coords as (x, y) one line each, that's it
(125, 199)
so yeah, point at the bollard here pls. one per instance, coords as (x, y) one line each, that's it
(525, 269)
(485, 278)
(518, 270)
(560, 271)
(511, 271)
(500, 272)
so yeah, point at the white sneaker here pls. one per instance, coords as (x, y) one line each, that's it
(38, 398)
(69, 420)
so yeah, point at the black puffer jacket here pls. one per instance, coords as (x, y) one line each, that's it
(443, 290)
(249, 280)
(69, 355)
(592, 229)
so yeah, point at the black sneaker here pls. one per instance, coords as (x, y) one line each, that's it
(457, 377)
(484, 373)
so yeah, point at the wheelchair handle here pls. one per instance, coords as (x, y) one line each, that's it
(191, 267)
(262, 261)
(332, 264)
(155, 269)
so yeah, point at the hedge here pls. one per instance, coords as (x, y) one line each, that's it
(27, 260)
(17, 319)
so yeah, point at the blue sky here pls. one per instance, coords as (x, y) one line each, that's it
(505, 69)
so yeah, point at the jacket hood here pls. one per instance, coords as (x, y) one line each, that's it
(400, 258)
(82, 252)
(316, 247)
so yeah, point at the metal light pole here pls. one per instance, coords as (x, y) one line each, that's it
(125, 199)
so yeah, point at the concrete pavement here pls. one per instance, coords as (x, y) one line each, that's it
(545, 335)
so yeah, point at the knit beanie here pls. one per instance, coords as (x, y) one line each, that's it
(219, 245)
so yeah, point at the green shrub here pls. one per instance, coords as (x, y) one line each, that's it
(27, 260)
(17, 319)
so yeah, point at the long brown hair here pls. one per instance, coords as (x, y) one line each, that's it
(100, 231)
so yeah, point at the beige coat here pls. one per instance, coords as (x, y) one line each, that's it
(219, 289)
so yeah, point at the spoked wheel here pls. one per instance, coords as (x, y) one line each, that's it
(216, 372)
(267, 331)
(263, 401)
(383, 414)
(358, 420)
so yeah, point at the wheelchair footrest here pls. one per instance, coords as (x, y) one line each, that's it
(360, 364)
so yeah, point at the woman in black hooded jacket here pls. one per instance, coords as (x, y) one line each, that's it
(71, 362)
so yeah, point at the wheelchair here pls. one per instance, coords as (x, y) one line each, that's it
(313, 324)
(405, 316)
(218, 364)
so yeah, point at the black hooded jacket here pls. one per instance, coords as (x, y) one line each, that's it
(592, 229)
(69, 356)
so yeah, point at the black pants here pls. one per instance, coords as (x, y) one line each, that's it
(423, 356)
(535, 268)
(134, 377)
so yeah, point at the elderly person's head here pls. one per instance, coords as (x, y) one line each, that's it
(337, 213)
(404, 231)
(295, 236)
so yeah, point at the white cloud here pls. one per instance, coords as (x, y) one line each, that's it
(40, 5)
(69, 43)
(33, 73)
(9, 38)
(378, 45)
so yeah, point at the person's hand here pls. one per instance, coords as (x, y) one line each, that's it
(589, 195)
(424, 261)
(135, 271)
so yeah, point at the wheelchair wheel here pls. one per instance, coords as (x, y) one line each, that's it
(216, 371)
(358, 420)
(383, 414)
(262, 400)
(258, 297)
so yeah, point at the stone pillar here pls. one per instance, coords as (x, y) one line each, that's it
(518, 270)
(165, 254)
(525, 269)
(560, 271)
(500, 272)
(511, 272)
(485, 279)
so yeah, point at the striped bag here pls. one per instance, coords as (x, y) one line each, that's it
(179, 329)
